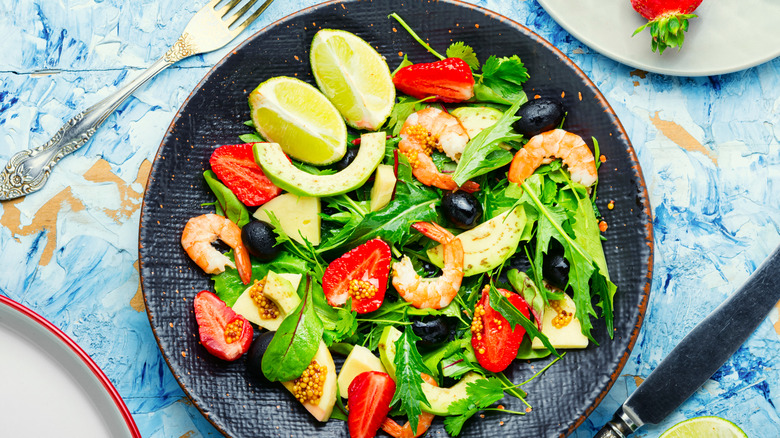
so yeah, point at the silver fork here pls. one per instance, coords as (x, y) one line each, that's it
(210, 29)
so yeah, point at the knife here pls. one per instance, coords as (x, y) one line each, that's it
(702, 352)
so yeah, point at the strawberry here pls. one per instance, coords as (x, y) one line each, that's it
(369, 397)
(667, 19)
(495, 343)
(448, 80)
(235, 166)
(360, 274)
(224, 333)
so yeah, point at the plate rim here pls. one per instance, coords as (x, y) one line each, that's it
(646, 207)
(611, 54)
(82, 355)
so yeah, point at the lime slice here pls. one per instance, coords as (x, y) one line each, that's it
(710, 427)
(302, 120)
(354, 77)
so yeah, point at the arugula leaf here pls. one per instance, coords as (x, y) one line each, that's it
(481, 394)
(502, 305)
(251, 138)
(295, 343)
(461, 50)
(413, 202)
(227, 202)
(475, 159)
(404, 108)
(408, 377)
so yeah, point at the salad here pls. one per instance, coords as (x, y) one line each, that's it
(432, 225)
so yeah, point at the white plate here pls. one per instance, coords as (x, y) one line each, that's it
(727, 35)
(49, 387)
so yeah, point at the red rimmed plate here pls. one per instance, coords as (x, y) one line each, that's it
(50, 386)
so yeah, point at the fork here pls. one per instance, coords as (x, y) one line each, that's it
(209, 29)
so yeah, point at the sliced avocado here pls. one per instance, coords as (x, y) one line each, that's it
(476, 118)
(360, 360)
(567, 336)
(278, 168)
(299, 216)
(488, 244)
(384, 185)
(279, 288)
(322, 410)
(438, 398)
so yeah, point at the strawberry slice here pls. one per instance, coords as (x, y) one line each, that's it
(495, 343)
(448, 80)
(235, 166)
(360, 274)
(369, 397)
(224, 333)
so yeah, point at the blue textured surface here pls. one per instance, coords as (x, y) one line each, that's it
(709, 149)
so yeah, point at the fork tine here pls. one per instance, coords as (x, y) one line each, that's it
(254, 16)
(223, 11)
(234, 18)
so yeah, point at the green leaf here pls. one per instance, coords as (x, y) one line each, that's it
(404, 108)
(481, 394)
(409, 367)
(227, 201)
(295, 343)
(474, 160)
(505, 76)
(514, 317)
(228, 285)
(251, 138)
(414, 35)
(404, 63)
(461, 50)
(527, 289)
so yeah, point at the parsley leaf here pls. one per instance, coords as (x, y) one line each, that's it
(505, 75)
(461, 50)
(481, 394)
(409, 367)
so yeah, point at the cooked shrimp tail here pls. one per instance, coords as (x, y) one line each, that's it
(428, 130)
(433, 293)
(197, 238)
(547, 146)
(424, 421)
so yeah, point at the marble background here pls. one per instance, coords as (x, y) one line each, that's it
(709, 148)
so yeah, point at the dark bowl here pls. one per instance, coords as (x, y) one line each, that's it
(214, 114)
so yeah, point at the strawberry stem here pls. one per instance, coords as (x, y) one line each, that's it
(414, 35)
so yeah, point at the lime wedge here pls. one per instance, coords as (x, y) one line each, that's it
(354, 77)
(302, 120)
(710, 427)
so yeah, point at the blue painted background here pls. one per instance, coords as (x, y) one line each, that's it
(716, 205)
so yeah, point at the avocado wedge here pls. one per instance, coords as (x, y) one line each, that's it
(278, 168)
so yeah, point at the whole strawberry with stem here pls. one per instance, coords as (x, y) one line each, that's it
(667, 20)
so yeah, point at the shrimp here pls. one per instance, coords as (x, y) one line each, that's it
(546, 147)
(433, 293)
(201, 231)
(431, 129)
(423, 421)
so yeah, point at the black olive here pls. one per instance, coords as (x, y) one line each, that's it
(539, 115)
(429, 269)
(347, 159)
(254, 357)
(462, 209)
(431, 329)
(260, 240)
(555, 268)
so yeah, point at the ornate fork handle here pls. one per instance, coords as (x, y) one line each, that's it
(28, 170)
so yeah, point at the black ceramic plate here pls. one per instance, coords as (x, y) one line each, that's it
(214, 114)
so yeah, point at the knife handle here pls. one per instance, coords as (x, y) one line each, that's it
(620, 426)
